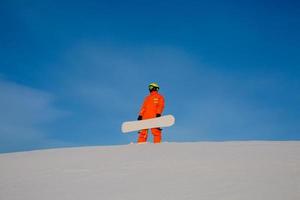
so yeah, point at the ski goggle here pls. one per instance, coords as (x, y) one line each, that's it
(151, 87)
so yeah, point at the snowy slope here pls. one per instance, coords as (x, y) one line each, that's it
(177, 171)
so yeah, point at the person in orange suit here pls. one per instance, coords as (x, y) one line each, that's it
(152, 107)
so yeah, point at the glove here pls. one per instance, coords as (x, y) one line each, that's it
(140, 117)
(158, 115)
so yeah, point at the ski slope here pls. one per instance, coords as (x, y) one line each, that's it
(175, 171)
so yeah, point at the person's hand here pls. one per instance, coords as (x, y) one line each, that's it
(158, 115)
(140, 117)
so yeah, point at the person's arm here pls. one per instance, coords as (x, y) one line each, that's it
(142, 110)
(160, 106)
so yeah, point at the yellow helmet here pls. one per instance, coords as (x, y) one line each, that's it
(153, 86)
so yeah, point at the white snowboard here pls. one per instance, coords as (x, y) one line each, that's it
(163, 121)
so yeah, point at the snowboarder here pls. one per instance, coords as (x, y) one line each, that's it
(152, 107)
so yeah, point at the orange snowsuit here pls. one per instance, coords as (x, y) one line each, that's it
(153, 105)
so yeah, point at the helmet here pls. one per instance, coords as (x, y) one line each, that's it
(153, 86)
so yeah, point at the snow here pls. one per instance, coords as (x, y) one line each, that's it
(203, 170)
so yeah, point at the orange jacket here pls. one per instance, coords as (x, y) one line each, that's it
(153, 104)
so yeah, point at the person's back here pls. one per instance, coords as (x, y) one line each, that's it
(152, 107)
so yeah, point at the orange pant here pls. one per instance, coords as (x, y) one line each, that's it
(143, 135)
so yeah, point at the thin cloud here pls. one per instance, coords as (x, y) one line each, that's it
(24, 111)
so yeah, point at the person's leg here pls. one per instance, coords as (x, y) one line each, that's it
(143, 134)
(156, 135)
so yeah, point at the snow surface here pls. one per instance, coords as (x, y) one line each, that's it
(204, 170)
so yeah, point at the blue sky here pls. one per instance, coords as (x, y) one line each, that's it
(72, 71)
